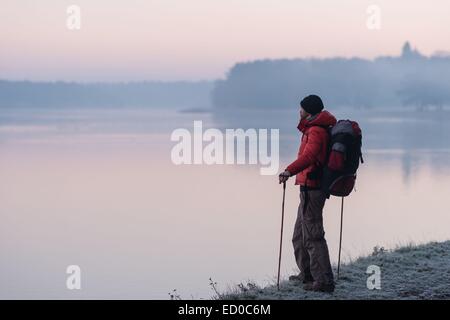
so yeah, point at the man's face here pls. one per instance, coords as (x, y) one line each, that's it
(303, 114)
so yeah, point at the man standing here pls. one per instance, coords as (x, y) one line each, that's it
(310, 246)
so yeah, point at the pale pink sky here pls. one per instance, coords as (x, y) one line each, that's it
(123, 40)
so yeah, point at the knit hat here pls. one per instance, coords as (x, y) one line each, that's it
(312, 104)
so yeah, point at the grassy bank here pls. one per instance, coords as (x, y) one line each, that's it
(409, 272)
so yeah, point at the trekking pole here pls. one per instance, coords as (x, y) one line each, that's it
(281, 236)
(340, 237)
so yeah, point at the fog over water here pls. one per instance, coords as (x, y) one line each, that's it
(97, 188)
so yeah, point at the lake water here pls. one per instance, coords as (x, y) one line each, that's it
(97, 188)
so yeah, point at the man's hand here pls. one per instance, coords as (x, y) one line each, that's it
(284, 176)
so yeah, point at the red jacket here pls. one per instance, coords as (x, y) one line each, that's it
(313, 148)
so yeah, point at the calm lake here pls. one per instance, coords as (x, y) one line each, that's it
(98, 189)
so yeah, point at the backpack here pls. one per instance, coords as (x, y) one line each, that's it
(344, 155)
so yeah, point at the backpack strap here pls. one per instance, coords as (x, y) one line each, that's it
(318, 172)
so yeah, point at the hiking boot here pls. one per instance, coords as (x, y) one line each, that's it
(321, 287)
(308, 286)
(296, 277)
(300, 278)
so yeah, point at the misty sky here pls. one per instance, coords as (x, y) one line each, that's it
(124, 40)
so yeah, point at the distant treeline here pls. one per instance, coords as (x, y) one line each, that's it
(410, 79)
(134, 94)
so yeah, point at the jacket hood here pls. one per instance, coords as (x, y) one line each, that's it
(322, 119)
